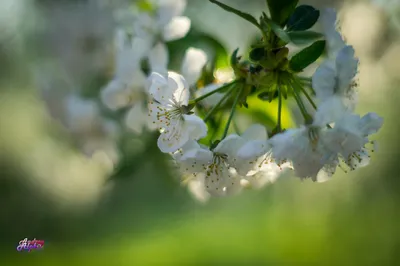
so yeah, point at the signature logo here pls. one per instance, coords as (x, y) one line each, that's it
(28, 245)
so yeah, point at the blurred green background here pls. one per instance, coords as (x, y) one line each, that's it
(141, 215)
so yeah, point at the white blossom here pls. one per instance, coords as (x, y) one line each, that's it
(305, 149)
(128, 84)
(335, 79)
(192, 65)
(165, 21)
(334, 39)
(350, 135)
(220, 179)
(169, 111)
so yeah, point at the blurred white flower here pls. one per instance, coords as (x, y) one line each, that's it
(213, 99)
(90, 130)
(78, 35)
(128, 84)
(164, 20)
(192, 65)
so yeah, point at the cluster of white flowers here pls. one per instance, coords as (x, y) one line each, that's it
(333, 137)
(141, 38)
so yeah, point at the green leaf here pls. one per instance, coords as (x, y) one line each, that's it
(303, 18)
(304, 37)
(281, 10)
(257, 54)
(307, 56)
(278, 30)
(241, 14)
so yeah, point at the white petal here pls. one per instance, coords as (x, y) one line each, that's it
(250, 157)
(120, 39)
(324, 81)
(193, 64)
(255, 132)
(371, 123)
(180, 88)
(141, 47)
(327, 171)
(177, 28)
(136, 118)
(330, 111)
(160, 88)
(115, 95)
(283, 143)
(333, 38)
(82, 115)
(230, 145)
(308, 165)
(158, 58)
(358, 160)
(144, 26)
(253, 149)
(197, 188)
(191, 145)
(195, 160)
(159, 116)
(171, 143)
(195, 126)
(346, 67)
(222, 182)
(167, 9)
(345, 138)
(270, 173)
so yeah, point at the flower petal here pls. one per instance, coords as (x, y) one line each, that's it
(177, 28)
(115, 95)
(159, 88)
(324, 81)
(330, 111)
(167, 9)
(222, 182)
(136, 118)
(371, 123)
(195, 126)
(193, 64)
(158, 58)
(168, 142)
(255, 132)
(333, 38)
(197, 188)
(230, 145)
(180, 87)
(346, 67)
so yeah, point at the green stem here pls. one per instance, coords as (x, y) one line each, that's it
(279, 108)
(194, 101)
(239, 93)
(215, 107)
(236, 127)
(305, 79)
(299, 101)
(296, 82)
